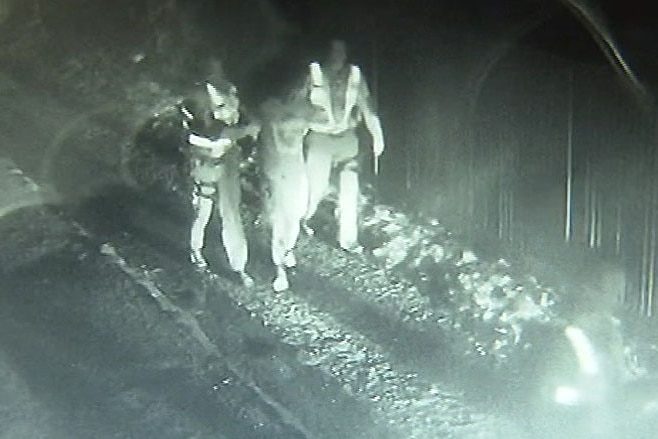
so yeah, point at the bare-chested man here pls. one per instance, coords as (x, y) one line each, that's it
(286, 188)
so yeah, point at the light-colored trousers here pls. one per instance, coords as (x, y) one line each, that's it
(325, 152)
(221, 191)
(286, 190)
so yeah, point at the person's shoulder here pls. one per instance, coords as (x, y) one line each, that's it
(357, 75)
(189, 107)
(354, 70)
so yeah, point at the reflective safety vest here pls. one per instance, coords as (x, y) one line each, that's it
(320, 95)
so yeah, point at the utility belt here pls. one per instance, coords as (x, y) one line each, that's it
(208, 161)
(203, 190)
(334, 133)
(336, 128)
(207, 169)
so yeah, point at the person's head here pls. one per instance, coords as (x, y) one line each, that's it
(223, 95)
(337, 55)
(217, 100)
(214, 70)
(224, 101)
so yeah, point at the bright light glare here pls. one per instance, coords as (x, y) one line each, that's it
(566, 395)
(583, 349)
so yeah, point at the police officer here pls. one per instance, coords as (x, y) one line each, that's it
(341, 91)
(211, 118)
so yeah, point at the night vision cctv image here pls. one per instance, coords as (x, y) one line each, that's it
(328, 219)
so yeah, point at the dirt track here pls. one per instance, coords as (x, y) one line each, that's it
(101, 337)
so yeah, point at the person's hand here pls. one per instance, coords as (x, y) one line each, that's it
(378, 147)
(219, 147)
(253, 129)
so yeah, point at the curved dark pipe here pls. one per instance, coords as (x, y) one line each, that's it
(591, 19)
(595, 26)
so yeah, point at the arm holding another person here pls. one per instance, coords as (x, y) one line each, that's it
(217, 147)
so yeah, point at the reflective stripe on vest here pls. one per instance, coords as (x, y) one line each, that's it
(316, 75)
(320, 96)
(352, 92)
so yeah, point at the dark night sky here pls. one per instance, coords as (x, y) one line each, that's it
(632, 23)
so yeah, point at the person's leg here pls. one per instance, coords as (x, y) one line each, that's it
(233, 236)
(348, 206)
(346, 152)
(203, 200)
(318, 170)
(287, 203)
(280, 225)
(298, 196)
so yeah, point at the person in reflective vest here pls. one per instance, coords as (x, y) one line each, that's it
(212, 129)
(341, 92)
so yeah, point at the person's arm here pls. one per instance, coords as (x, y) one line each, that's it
(214, 148)
(302, 89)
(217, 147)
(212, 145)
(370, 118)
(201, 144)
(235, 133)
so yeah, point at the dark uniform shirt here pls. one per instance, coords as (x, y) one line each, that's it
(198, 120)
